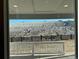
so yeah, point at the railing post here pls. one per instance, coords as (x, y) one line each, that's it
(51, 37)
(41, 37)
(21, 39)
(71, 36)
(61, 37)
(33, 50)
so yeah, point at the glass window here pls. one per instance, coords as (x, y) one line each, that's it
(42, 29)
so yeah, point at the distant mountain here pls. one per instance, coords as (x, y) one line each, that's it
(69, 23)
(43, 28)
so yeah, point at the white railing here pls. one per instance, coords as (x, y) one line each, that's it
(54, 48)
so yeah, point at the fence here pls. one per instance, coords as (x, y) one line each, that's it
(42, 38)
(54, 48)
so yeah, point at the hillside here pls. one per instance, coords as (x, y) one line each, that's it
(42, 28)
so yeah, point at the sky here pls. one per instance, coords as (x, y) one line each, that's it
(14, 21)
